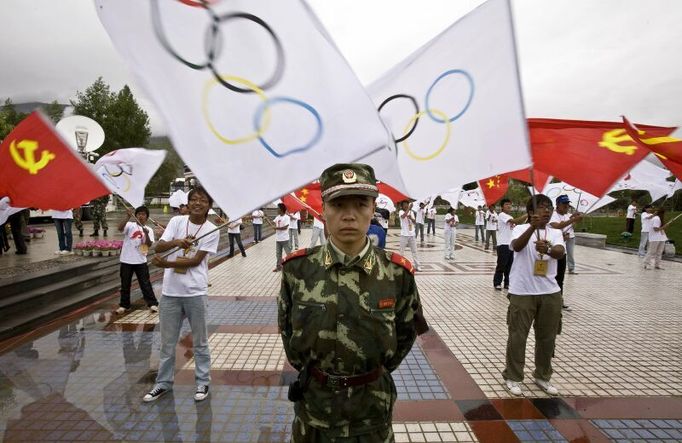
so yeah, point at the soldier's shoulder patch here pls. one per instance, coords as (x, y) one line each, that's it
(402, 261)
(296, 254)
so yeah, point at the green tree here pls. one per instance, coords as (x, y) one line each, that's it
(125, 123)
(130, 121)
(5, 126)
(54, 111)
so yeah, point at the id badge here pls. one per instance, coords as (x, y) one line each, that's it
(180, 270)
(541, 267)
(143, 248)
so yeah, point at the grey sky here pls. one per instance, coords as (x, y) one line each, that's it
(580, 59)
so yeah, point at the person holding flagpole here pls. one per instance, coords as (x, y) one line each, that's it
(192, 238)
(657, 239)
(137, 239)
(450, 233)
(535, 298)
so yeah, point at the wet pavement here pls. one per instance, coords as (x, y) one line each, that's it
(618, 362)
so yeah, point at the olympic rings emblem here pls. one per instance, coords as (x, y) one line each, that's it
(212, 51)
(436, 115)
(125, 170)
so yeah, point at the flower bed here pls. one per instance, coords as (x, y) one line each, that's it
(98, 248)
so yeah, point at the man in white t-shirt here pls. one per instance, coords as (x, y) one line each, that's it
(450, 233)
(318, 233)
(647, 214)
(505, 256)
(534, 296)
(421, 213)
(479, 223)
(294, 217)
(407, 231)
(190, 238)
(282, 241)
(431, 220)
(564, 222)
(234, 231)
(630, 215)
(257, 223)
(137, 239)
(491, 227)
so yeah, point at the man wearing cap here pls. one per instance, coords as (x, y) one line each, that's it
(348, 314)
(563, 221)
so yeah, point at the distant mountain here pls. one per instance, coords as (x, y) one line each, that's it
(32, 106)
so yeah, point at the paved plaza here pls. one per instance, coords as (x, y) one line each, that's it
(618, 363)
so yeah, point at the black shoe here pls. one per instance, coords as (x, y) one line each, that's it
(201, 393)
(506, 286)
(243, 254)
(154, 394)
(95, 234)
(80, 232)
(565, 307)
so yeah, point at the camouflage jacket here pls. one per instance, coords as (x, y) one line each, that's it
(347, 319)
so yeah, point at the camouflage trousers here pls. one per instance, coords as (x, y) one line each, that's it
(99, 216)
(303, 433)
(77, 219)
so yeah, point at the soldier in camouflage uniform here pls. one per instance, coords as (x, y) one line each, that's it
(348, 314)
(99, 215)
(78, 220)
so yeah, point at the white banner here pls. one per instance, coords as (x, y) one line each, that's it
(455, 106)
(452, 196)
(645, 176)
(383, 202)
(256, 97)
(127, 172)
(582, 201)
(473, 198)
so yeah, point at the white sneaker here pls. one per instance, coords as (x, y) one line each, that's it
(57, 252)
(154, 308)
(154, 394)
(120, 310)
(547, 386)
(201, 393)
(65, 252)
(514, 387)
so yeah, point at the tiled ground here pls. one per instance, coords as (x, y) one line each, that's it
(618, 363)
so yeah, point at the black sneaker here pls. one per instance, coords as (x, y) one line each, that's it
(154, 394)
(565, 307)
(201, 393)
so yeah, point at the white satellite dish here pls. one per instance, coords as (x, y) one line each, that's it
(82, 133)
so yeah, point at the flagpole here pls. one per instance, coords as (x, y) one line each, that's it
(125, 205)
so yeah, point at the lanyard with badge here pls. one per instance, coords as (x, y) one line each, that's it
(188, 252)
(541, 266)
(143, 247)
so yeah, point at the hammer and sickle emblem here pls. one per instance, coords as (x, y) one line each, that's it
(28, 160)
(612, 140)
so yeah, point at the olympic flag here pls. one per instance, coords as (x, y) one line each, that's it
(127, 172)
(582, 201)
(255, 95)
(455, 106)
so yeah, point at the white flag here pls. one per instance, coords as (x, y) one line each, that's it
(582, 201)
(473, 198)
(177, 198)
(127, 172)
(6, 210)
(452, 196)
(455, 105)
(645, 176)
(255, 95)
(384, 202)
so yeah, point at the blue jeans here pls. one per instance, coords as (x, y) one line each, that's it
(64, 235)
(171, 311)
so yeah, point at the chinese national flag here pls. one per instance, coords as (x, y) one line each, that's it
(391, 192)
(39, 170)
(494, 188)
(589, 155)
(667, 149)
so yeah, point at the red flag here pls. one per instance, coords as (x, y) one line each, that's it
(589, 155)
(538, 178)
(40, 170)
(667, 149)
(391, 192)
(494, 188)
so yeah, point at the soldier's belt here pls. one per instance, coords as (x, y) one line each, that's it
(342, 382)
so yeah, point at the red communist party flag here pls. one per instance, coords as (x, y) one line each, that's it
(589, 155)
(391, 192)
(39, 170)
(494, 188)
(667, 149)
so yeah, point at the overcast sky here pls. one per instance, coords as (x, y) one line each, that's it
(579, 59)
